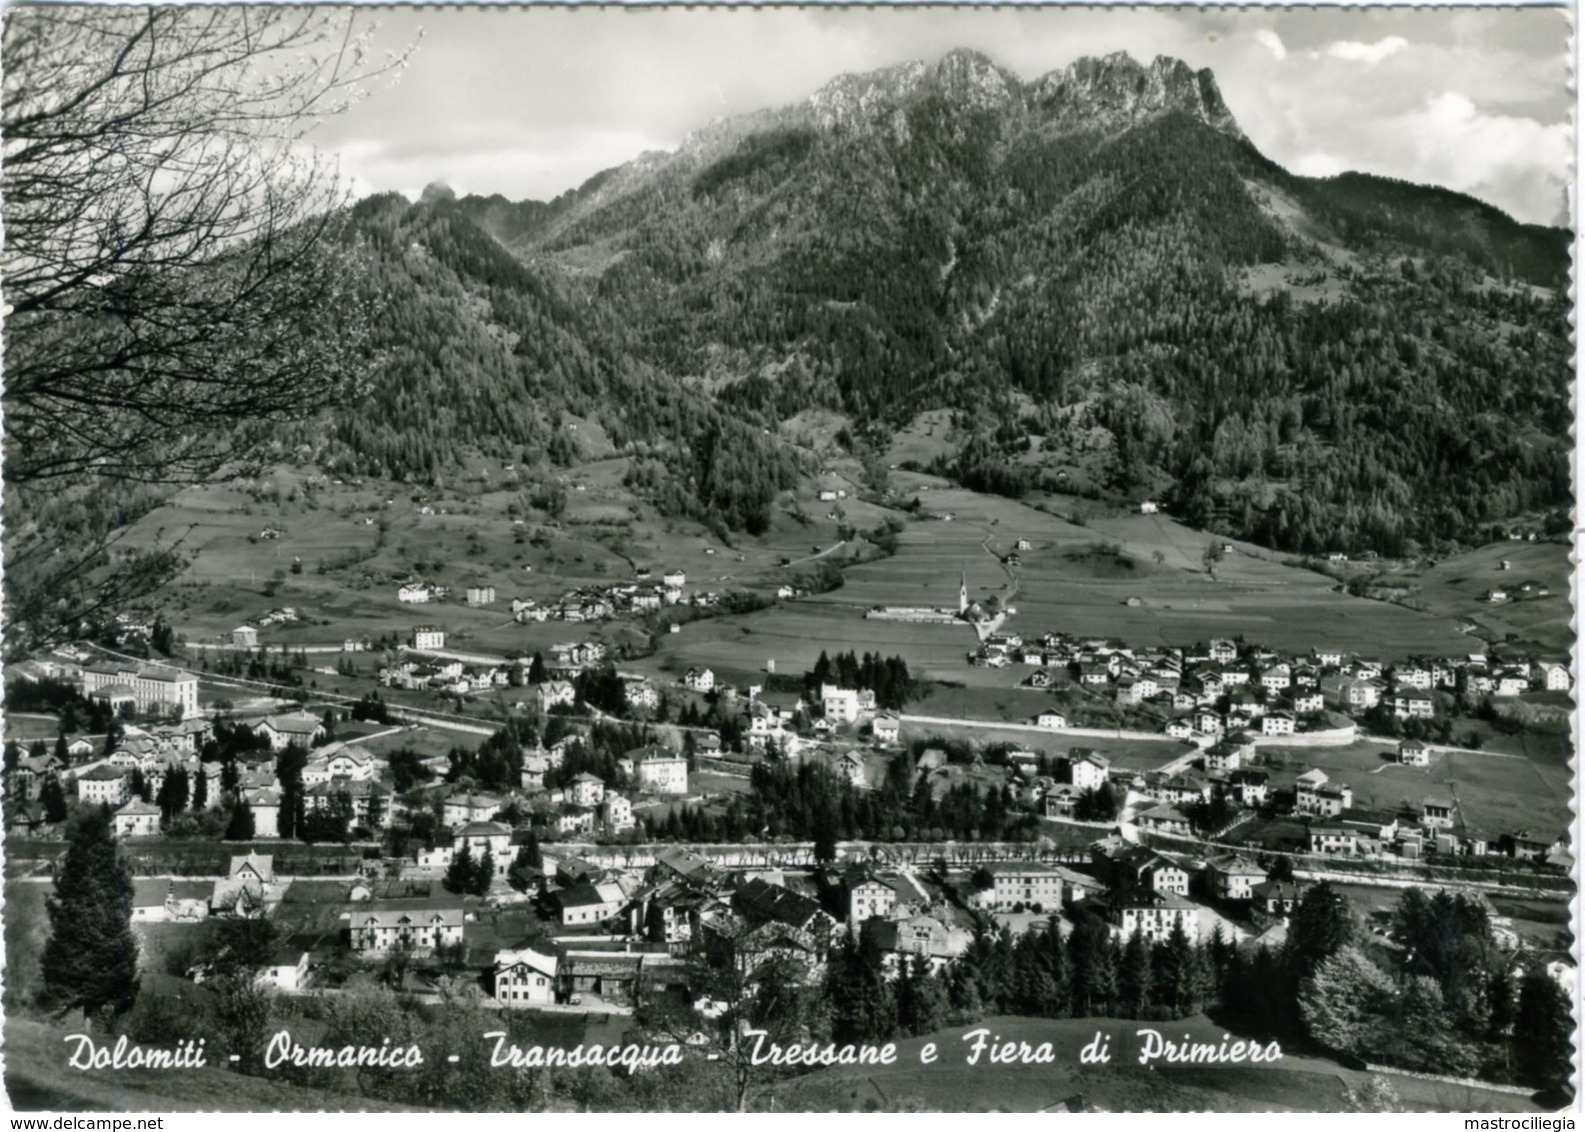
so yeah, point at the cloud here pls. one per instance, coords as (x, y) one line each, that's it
(1318, 165)
(1272, 42)
(1356, 52)
(1517, 163)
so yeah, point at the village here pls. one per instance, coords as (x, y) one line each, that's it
(552, 893)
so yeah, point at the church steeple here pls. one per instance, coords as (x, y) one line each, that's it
(963, 592)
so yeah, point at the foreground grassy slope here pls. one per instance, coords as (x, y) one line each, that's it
(37, 1078)
(1302, 1084)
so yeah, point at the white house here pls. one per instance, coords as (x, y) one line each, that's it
(1412, 752)
(429, 637)
(1552, 676)
(524, 978)
(460, 809)
(887, 727)
(586, 790)
(136, 819)
(1277, 723)
(699, 680)
(1089, 771)
(284, 730)
(480, 837)
(245, 637)
(616, 812)
(554, 692)
(659, 771)
(840, 705)
(1154, 915)
(1234, 877)
(1053, 720)
(286, 971)
(414, 594)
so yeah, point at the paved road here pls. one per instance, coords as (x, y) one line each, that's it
(1079, 732)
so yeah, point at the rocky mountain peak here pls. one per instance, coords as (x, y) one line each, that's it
(1116, 91)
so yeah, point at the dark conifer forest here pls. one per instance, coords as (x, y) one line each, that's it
(1350, 362)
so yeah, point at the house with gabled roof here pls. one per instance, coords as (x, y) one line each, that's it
(420, 929)
(1165, 820)
(136, 818)
(284, 730)
(1234, 877)
(524, 977)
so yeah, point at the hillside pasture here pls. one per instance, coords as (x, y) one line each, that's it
(1457, 587)
(794, 633)
(1496, 793)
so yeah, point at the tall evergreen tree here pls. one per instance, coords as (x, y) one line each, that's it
(172, 796)
(460, 873)
(483, 874)
(53, 796)
(1543, 1032)
(1322, 926)
(200, 788)
(1136, 976)
(240, 827)
(90, 962)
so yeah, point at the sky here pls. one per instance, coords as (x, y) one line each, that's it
(530, 102)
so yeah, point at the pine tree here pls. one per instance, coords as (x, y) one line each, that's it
(483, 874)
(1322, 926)
(460, 873)
(1543, 1031)
(1136, 976)
(91, 960)
(172, 797)
(54, 798)
(200, 788)
(240, 828)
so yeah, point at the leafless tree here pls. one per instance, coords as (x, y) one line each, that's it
(177, 274)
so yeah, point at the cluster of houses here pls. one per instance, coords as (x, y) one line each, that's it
(601, 602)
(1203, 693)
(1334, 823)
(596, 932)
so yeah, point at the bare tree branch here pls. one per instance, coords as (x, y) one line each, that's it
(177, 268)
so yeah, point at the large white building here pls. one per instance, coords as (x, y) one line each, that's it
(420, 929)
(429, 637)
(150, 686)
(1153, 915)
(1016, 882)
(659, 771)
(106, 784)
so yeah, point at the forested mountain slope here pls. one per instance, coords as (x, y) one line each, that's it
(1352, 362)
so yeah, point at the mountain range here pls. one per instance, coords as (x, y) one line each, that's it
(1110, 288)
